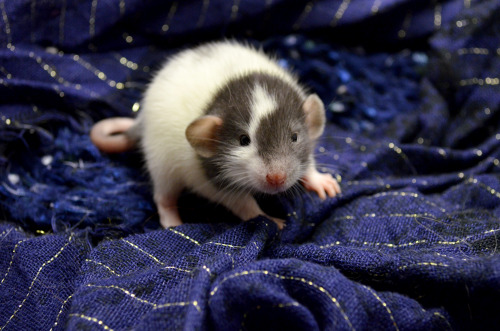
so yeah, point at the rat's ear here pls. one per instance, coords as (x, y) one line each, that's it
(315, 115)
(201, 134)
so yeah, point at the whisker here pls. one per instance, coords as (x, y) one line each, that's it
(331, 167)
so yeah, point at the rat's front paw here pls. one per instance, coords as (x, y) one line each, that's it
(167, 210)
(322, 184)
(167, 221)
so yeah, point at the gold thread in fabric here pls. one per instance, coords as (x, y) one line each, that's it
(376, 6)
(178, 269)
(98, 73)
(60, 311)
(154, 257)
(299, 279)
(5, 19)
(4, 71)
(168, 21)
(185, 236)
(234, 10)
(491, 81)
(121, 5)
(55, 75)
(126, 62)
(125, 291)
(144, 252)
(144, 301)
(451, 257)
(400, 152)
(492, 191)
(406, 25)
(374, 215)
(473, 50)
(417, 242)
(203, 13)
(11, 260)
(444, 318)
(340, 13)
(207, 269)
(93, 12)
(225, 245)
(94, 320)
(35, 278)
(408, 194)
(384, 305)
(307, 9)
(437, 15)
(103, 265)
(418, 264)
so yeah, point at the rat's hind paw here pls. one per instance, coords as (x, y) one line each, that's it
(279, 222)
(323, 184)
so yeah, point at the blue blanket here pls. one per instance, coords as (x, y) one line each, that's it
(412, 93)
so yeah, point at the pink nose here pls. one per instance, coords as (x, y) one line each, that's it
(276, 179)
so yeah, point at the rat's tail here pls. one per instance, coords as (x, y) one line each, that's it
(115, 135)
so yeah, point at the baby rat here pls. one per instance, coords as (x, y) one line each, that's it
(225, 121)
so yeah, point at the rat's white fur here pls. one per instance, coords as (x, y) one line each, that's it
(178, 94)
(262, 104)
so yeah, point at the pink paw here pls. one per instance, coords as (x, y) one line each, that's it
(323, 184)
(279, 222)
(167, 209)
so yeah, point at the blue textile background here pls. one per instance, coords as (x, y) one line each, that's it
(412, 93)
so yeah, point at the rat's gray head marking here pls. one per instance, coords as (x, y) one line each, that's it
(266, 138)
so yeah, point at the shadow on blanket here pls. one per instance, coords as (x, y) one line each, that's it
(413, 99)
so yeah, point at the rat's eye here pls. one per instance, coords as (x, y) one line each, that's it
(244, 140)
(294, 137)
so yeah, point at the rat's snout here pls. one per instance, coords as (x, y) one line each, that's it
(276, 179)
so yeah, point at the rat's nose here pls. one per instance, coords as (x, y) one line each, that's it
(276, 179)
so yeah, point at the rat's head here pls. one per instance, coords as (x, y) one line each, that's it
(258, 134)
